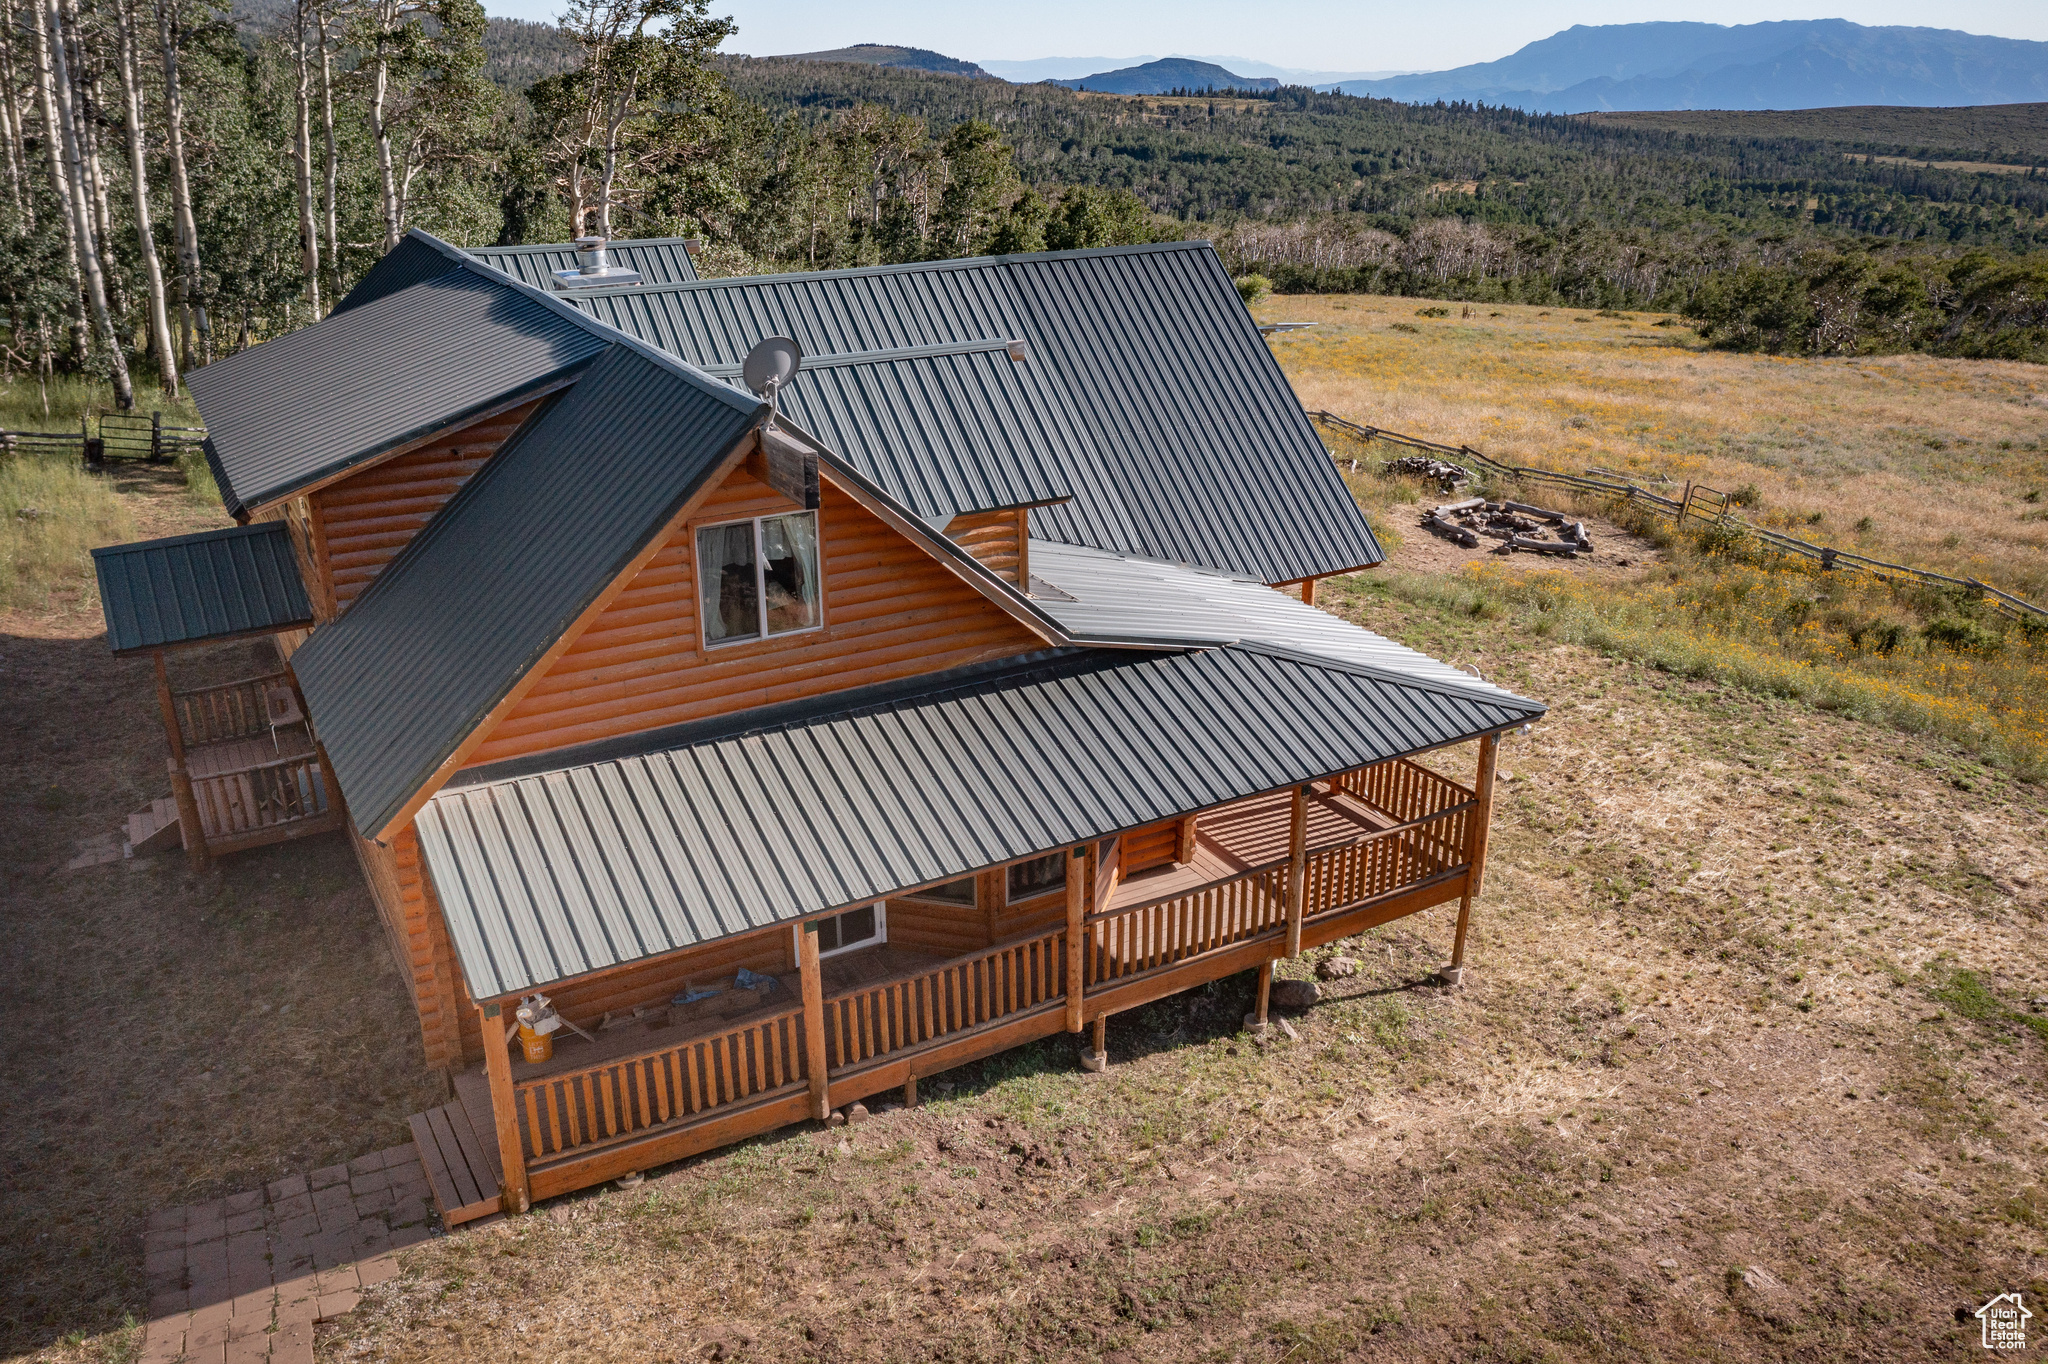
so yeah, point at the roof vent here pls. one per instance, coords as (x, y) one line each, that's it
(593, 269)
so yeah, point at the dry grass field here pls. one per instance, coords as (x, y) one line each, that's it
(1751, 1062)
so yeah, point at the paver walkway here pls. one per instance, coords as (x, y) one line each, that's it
(243, 1279)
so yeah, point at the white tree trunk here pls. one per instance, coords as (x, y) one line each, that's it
(380, 132)
(330, 215)
(81, 211)
(309, 228)
(191, 297)
(145, 234)
(60, 177)
(11, 128)
(86, 101)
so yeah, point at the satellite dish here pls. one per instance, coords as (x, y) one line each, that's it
(770, 365)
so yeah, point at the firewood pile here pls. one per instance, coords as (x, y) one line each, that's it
(1446, 475)
(1517, 525)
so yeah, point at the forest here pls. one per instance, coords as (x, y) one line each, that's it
(185, 180)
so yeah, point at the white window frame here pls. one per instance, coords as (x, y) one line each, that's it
(880, 939)
(760, 580)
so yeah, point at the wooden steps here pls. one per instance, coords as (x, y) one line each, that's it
(461, 1164)
(155, 829)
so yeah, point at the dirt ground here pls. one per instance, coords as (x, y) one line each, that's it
(169, 1039)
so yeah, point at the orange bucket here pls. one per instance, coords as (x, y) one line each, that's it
(537, 1046)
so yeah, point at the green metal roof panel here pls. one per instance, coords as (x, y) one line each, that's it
(1148, 351)
(159, 594)
(313, 402)
(611, 856)
(473, 601)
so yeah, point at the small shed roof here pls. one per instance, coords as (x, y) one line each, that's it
(189, 589)
(707, 830)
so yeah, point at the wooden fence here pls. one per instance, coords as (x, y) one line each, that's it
(122, 436)
(260, 796)
(232, 710)
(1697, 502)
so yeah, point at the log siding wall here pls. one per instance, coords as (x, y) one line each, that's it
(359, 524)
(995, 538)
(890, 612)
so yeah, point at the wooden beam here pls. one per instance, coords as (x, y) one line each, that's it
(1077, 912)
(1297, 869)
(504, 1110)
(1024, 549)
(1482, 815)
(190, 830)
(814, 1018)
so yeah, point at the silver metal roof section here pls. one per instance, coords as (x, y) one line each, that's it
(711, 830)
(189, 589)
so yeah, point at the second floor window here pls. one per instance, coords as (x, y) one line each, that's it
(758, 578)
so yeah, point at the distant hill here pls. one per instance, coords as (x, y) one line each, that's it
(2012, 134)
(1169, 73)
(1788, 64)
(1077, 68)
(517, 53)
(881, 54)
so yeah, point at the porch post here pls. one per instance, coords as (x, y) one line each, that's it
(1475, 848)
(504, 1109)
(1297, 870)
(1308, 591)
(1077, 907)
(190, 831)
(814, 1018)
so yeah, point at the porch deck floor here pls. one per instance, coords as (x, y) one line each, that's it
(1249, 834)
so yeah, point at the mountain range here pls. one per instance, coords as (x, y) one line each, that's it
(1169, 73)
(1075, 68)
(883, 54)
(1785, 64)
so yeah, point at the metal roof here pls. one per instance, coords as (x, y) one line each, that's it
(414, 260)
(1207, 455)
(159, 594)
(493, 581)
(1109, 599)
(660, 260)
(729, 826)
(943, 433)
(359, 382)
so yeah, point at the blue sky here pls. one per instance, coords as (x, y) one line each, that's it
(1322, 35)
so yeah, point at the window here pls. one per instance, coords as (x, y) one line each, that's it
(863, 927)
(758, 578)
(1038, 876)
(953, 892)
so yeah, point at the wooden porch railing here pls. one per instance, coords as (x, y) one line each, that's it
(245, 799)
(1140, 938)
(1344, 874)
(232, 710)
(1403, 790)
(911, 1010)
(614, 1100)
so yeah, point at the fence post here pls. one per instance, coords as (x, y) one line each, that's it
(156, 437)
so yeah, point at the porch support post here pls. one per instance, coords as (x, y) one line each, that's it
(814, 1018)
(1077, 909)
(1475, 850)
(1257, 1021)
(190, 831)
(1297, 872)
(1308, 591)
(504, 1109)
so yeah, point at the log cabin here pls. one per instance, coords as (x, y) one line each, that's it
(964, 692)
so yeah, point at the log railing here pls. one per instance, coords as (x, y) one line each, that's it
(1401, 789)
(1129, 941)
(232, 710)
(613, 1100)
(245, 799)
(920, 1007)
(1340, 875)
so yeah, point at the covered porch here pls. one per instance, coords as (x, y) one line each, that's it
(245, 767)
(1231, 888)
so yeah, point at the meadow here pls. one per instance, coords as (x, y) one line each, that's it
(1938, 464)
